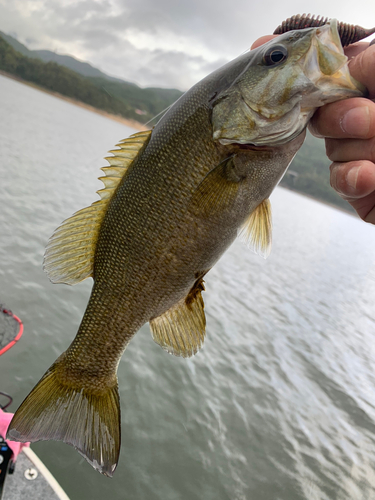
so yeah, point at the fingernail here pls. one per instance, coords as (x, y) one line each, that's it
(356, 122)
(333, 175)
(351, 178)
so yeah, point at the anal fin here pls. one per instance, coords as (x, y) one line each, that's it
(181, 329)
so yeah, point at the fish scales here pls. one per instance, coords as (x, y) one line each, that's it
(174, 199)
(136, 240)
(181, 145)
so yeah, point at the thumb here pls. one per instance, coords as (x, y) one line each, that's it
(262, 40)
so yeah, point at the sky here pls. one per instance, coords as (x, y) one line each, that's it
(160, 43)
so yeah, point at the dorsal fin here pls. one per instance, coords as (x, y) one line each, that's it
(181, 329)
(256, 232)
(70, 251)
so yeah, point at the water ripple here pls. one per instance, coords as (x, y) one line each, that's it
(280, 402)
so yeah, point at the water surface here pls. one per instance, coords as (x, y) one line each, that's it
(280, 402)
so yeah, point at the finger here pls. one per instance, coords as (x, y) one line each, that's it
(362, 68)
(340, 150)
(351, 118)
(365, 207)
(355, 49)
(370, 217)
(353, 180)
(262, 40)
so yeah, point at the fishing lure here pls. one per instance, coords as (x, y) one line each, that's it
(348, 32)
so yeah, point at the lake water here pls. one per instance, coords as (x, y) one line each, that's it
(279, 404)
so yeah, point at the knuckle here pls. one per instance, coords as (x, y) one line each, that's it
(330, 149)
(372, 117)
(365, 71)
(314, 126)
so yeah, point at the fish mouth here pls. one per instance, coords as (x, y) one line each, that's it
(250, 147)
(278, 106)
(325, 65)
(327, 79)
(274, 131)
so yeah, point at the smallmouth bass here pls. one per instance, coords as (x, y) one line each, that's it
(174, 199)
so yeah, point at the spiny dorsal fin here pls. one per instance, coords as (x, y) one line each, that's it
(256, 232)
(181, 329)
(70, 251)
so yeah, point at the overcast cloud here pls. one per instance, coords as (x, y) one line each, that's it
(164, 43)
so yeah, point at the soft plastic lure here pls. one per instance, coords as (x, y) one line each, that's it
(348, 32)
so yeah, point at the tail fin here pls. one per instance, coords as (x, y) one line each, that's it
(89, 422)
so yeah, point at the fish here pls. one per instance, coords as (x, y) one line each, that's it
(174, 199)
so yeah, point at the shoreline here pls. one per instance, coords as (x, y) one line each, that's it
(125, 121)
(139, 126)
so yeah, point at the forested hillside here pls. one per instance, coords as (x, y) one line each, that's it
(308, 174)
(111, 95)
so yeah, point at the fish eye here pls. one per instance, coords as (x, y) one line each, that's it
(275, 55)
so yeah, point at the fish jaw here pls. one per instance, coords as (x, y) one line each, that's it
(325, 64)
(272, 105)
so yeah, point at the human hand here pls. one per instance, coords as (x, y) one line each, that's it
(349, 130)
(348, 127)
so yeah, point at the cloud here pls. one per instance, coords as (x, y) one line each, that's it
(169, 43)
(179, 68)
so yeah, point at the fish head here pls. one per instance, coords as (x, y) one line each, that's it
(271, 101)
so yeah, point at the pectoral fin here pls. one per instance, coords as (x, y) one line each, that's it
(256, 232)
(218, 190)
(181, 329)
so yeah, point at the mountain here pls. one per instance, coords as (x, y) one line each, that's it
(18, 46)
(80, 80)
(57, 78)
(309, 174)
(83, 68)
(147, 102)
(309, 171)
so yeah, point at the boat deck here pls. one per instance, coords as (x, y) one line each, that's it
(31, 480)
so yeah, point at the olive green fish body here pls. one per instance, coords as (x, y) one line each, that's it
(174, 200)
(159, 254)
